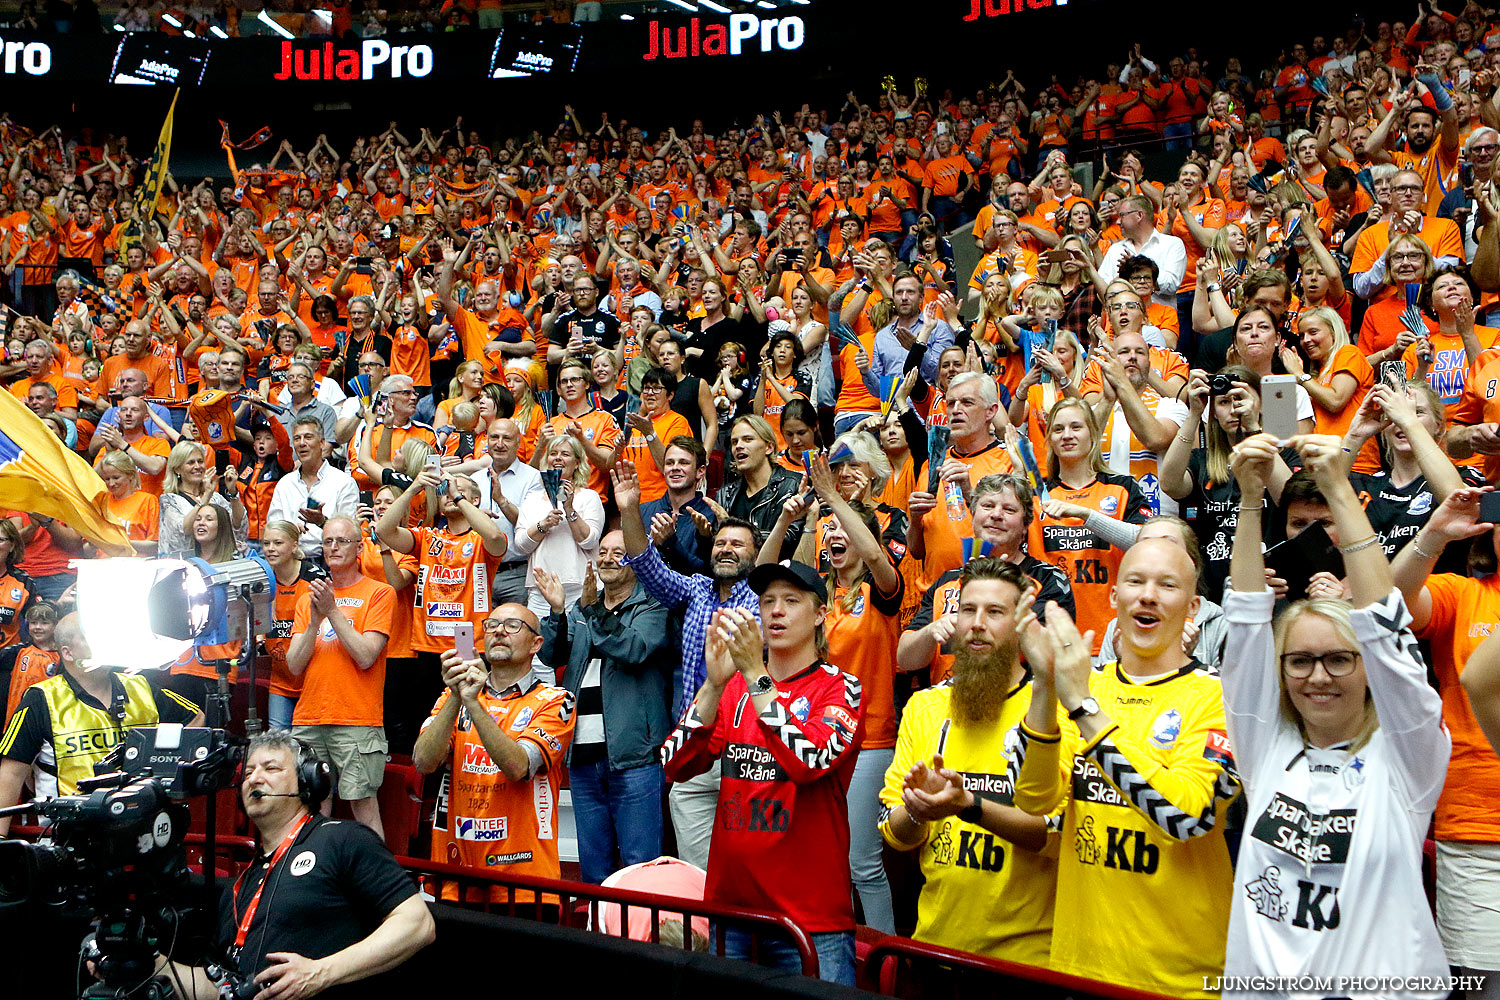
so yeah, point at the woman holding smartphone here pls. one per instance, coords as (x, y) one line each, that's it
(1339, 741)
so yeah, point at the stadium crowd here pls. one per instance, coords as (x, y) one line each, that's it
(686, 467)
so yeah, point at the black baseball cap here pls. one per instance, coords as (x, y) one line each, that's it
(799, 575)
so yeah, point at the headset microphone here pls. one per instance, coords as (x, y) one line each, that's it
(258, 794)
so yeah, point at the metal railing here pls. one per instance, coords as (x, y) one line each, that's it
(467, 882)
(931, 972)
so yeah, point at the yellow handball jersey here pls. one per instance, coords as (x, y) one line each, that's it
(1144, 880)
(981, 893)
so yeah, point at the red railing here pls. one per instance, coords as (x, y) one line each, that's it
(569, 913)
(931, 968)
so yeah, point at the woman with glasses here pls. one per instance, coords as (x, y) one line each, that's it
(1339, 741)
(1384, 334)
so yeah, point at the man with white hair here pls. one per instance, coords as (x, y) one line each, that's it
(397, 424)
(941, 520)
(1459, 204)
(301, 380)
(316, 492)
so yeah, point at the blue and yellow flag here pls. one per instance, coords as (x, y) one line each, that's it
(39, 475)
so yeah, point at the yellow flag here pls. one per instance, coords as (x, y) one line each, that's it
(156, 174)
(39, 475)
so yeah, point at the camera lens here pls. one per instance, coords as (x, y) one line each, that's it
(27, 869)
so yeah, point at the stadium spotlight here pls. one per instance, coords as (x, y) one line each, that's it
(170, 19)
(217, 31)
(141, 614)
(685, 6)
(717, 7)
(120, 28)
(627, 17)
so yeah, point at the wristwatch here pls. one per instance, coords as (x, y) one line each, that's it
(1087, 706)
(973, 812)
(762, 685)
(1304, 377)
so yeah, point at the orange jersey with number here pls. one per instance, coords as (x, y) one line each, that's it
(453, 585)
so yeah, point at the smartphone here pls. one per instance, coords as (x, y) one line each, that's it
(1489, 507)
(1308, 552)
(1393, 374)
(366, 498)
(463, 639)
(362, 265)
(1278, 406)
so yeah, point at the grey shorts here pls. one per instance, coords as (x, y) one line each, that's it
(355, 754)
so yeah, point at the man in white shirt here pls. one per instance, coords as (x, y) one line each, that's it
(332, 491)
(1137, 217)
(504, 484)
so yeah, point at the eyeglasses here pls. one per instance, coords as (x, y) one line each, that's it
(1336, 663)
(1407, 188)
(1411, 257)
(335, 540)
(571, 379)
(510, 626)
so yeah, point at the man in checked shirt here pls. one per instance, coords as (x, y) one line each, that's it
(732, 556)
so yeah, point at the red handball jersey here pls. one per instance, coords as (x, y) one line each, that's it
(781, 833)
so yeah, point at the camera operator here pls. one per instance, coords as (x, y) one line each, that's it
(347, 911)
(66, 724)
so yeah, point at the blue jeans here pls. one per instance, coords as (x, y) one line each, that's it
(1184, 315)
(835, 950)
(280, 712)
(847, 420)
(50, 588)
(1179, 135)
(866, 868)
(618, 816)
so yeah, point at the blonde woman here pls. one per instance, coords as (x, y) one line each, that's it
(191, 480)
(1331, 718)
(560, 539)
(529, 415)
(128, 503)
(1334, 373)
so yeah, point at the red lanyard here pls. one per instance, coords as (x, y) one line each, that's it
(244, 924)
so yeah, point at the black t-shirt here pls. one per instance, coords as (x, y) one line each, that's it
(1213, 511)
(333, 886)
(1397, 513)
(370, 340)
(685, 402)
(706, 365)
(598, 328)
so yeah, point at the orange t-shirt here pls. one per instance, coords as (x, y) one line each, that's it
(66, 395)
(139, 512)
(453, 585)
(1464, 612)
(1089, 562)
(411, 354)
(1209, 213)
(1441, 236)
(667, 426)
(283, 682)
(372, 565)
(147, 445)
(483, 819)
(600, 429)
(335, 692)
(946, 526)
(1349, 361)
(862, 641)
(1480, 404)
(941, 175)
(1383, 323)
